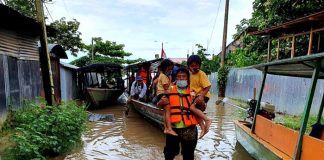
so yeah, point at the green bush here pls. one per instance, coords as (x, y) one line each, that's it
(221, 80)
(45, 131)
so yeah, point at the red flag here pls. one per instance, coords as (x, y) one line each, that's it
(163, 55)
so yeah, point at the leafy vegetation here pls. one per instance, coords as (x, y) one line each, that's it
(294, 122)
(104, 52)
(239, 114)
(37, 132)
(208, 65)
(266, 14)
(239, 102)
(221, 80)
(67, 35)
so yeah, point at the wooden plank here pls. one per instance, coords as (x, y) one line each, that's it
(280, 137)
(319, 42)
(278, 49)
(269, 50)
(313, 148)
(292, 53)
(310, 43)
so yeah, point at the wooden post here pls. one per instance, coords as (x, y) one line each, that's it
(224, 34)
(269, 49)
(292, 53)
(310, 44)
(278, 49)
(307, 108)
(44, 56)
(319, 42)
(254, 93)
(257, 108)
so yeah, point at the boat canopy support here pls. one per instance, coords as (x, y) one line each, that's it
(257, 108)
(307, 108)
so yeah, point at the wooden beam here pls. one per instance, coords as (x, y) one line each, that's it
(319, 42)
(292, 54)
(269, 49)
(278, 49)
(257, 108)
(310, 42)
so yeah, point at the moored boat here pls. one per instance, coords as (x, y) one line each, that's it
(101, 84)
(146, 108)
(263, 138)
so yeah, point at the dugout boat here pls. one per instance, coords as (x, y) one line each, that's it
(100, 84)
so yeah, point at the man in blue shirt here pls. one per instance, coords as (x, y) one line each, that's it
(138, 89)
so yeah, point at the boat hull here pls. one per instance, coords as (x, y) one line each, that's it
(149, 111)
(102, 96)
(254, 147)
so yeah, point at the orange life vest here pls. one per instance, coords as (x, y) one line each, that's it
(181, 112)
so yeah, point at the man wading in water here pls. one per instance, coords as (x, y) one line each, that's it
(182, 118)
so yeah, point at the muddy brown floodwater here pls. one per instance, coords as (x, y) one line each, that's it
(133, 137)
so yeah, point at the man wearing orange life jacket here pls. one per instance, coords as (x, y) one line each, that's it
(183, 121)
(179, 106)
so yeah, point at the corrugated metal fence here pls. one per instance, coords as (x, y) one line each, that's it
(288, 94)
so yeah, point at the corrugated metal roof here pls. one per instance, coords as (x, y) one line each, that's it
(70, 66)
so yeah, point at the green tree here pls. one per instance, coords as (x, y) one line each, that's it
(267, 13)
(67, 35)
(105, 52)
(207, 65)
(25, 7)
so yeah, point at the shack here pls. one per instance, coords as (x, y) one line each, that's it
(56, 53)
(19, 59)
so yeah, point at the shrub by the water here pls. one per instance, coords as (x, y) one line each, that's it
(41, 132)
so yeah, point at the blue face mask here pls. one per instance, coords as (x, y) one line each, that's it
(182, 83)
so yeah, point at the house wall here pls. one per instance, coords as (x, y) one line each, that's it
(19, 69)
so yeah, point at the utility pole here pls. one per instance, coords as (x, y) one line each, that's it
(45, 60)
(224, 34)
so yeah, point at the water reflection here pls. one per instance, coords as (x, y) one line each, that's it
(135, 138)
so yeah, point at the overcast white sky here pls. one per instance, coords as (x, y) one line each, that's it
(142, 25)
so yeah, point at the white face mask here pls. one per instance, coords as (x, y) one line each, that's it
(182, 83)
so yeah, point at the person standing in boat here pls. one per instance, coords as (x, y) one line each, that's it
(182, 118)
(138, 89)
(199, 88)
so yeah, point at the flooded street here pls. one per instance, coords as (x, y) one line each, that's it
(133, 137)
